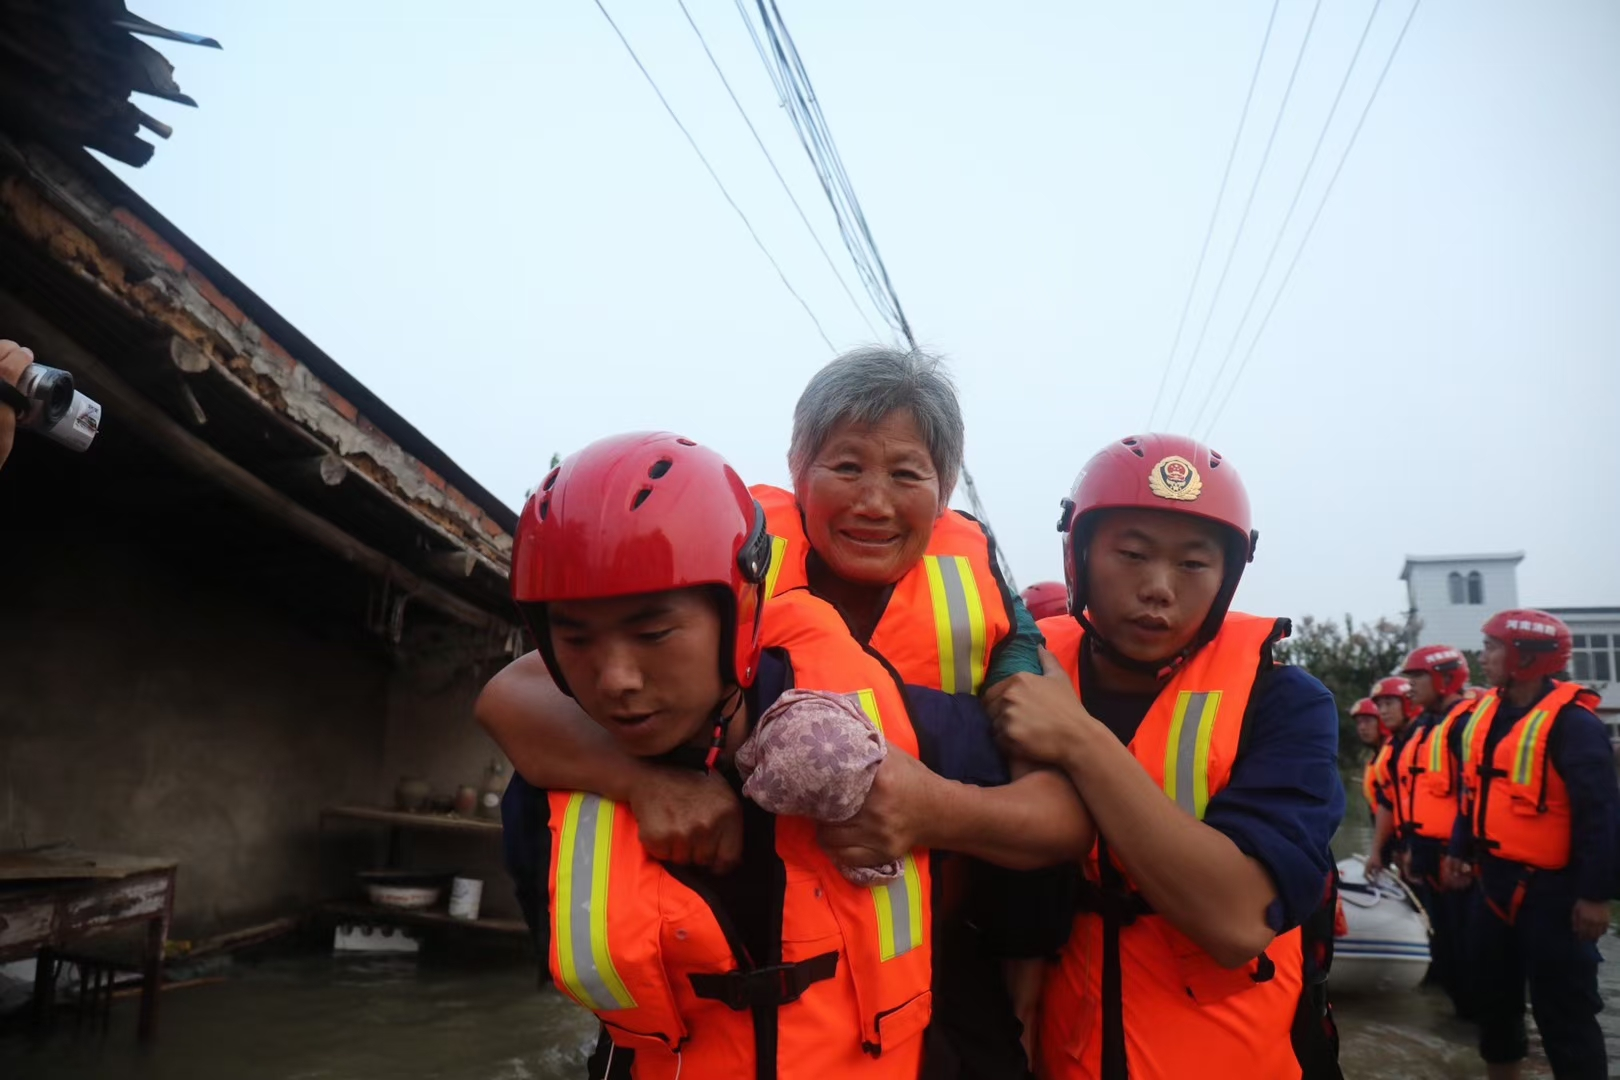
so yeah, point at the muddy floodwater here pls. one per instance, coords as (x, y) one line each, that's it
(446, 1016)
(1415, 1035)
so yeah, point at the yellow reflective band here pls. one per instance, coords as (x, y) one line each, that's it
(899, 912)
(1437, 746)
(959, 627)
(1186, 750)
(869, 706)
(584, 858)
(779, 546)
(975, 611)
(1482, 712)
(1524, 761)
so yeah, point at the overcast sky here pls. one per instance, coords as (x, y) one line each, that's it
(481, 210)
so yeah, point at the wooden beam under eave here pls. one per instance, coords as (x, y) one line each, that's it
(124, 406)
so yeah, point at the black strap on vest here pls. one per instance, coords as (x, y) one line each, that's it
(770, 987)
(1114, 1065)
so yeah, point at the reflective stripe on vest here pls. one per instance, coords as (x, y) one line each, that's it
(1482, 715)
(1186, 752)
(584, 861)
(958, 622)
(1532, 746)
(779, 547)
(898, 903)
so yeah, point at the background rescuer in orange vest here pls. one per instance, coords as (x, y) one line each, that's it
(1541, 816)
(1211, 774)
(1428, 791)
(640, 566)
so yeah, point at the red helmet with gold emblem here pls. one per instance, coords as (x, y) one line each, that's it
(1159, 472)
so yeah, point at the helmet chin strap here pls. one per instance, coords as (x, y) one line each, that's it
(722, 717)
(1159, 669)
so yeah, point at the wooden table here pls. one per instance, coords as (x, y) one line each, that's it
(53, 897)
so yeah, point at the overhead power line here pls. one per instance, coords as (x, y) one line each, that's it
(798, 98)
(1248, 205)
(712, 174)
(1317, 216)
(1214, 215)
(1282, 230)
(777, 51)
(779, 178)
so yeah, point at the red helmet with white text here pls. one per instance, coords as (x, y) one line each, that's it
(642, 513)
(1539, 645)
(1447, 666)
(1396, 686)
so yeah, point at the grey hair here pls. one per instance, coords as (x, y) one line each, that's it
(865, 385)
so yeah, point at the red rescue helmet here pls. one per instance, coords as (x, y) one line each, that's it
(1396, 686)
(643, 513)
(1364, 707)
(1045, 599)
(1447, 666)
(1539, 645)
(1157, 472)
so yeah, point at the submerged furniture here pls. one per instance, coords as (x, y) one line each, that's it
(51, 898)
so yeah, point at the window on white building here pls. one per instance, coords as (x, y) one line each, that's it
(1476, 587)
(1454, 587)
(1595, 657)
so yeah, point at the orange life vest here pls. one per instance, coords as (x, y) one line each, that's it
(1377, 778)
(1184, 1014)
(944, 618)
(1518, 806)
(1425, 787)
(641, 946)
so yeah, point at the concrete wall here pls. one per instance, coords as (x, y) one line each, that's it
(147, 711)
(1445, 623)
(180, 679)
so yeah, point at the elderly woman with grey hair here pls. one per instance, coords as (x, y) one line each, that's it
(875, 455)
(876, 452)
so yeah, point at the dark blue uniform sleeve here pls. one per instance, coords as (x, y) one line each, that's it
(1019, 651)
(955, 736)
(526, 845)
(1018, 913)
(1579, 748)
(1284, 800)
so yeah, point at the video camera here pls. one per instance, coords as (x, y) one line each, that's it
(46, 402)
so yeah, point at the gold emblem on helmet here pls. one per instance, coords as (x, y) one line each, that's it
(1175, 478)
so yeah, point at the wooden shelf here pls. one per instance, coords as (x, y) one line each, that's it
(403, 820)
(371, 913)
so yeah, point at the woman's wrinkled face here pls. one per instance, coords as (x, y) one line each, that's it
(870, 499)
(647, 668)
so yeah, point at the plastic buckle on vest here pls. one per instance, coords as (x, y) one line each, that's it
(1123, 905)
(779, 984)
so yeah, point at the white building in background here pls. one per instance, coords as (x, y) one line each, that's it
(1597, 652)
(1451, 596)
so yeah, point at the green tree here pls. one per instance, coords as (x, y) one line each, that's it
(1348, 659)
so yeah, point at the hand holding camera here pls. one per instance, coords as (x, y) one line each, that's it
(34, 397)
